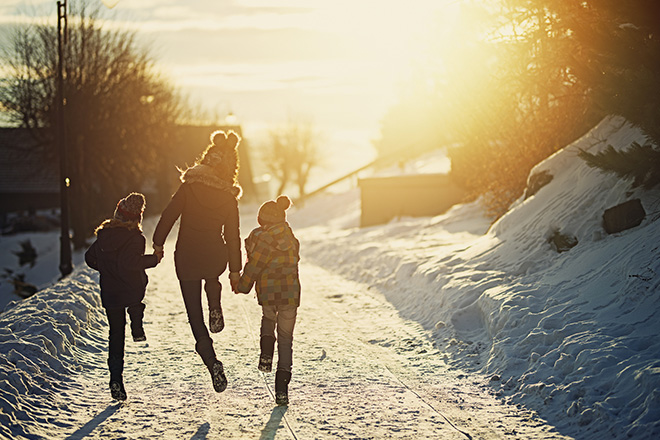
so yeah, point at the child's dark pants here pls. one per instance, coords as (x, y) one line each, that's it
(117, 322)
(282, 318)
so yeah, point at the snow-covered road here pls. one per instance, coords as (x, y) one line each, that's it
(360, 372)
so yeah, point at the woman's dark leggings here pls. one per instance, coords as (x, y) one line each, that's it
(192, 297)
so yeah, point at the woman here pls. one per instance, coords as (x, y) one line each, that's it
(209, 239)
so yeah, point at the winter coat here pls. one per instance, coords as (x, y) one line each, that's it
(118, 254)
(209, 235)
(273, 253)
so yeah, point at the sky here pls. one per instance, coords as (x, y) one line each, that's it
(335, 63)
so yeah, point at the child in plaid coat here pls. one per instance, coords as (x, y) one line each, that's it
(273, 253)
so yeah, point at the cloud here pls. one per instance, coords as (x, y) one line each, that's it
(192, 45)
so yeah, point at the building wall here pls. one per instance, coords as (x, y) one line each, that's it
(385, 198)
(28, 175)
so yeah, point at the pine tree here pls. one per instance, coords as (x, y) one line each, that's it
(641, 163)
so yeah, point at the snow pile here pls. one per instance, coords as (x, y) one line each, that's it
(572, 334)
(46, 341)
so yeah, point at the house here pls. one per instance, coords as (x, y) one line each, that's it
(29, 180)
(29, 175)
(418, 195)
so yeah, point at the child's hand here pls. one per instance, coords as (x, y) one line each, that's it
(233, 280)
(238, 291)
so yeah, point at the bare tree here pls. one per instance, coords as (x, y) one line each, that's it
(292, 153)
(119, 114)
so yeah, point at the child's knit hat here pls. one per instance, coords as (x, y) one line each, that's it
(130, 208)
(274, 211)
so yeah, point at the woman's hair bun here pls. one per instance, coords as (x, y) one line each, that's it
(232, 140)
(218, 138)
(283, 202)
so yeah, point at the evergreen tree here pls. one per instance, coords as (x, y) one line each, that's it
(641, 163)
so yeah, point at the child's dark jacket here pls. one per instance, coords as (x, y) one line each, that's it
(273, 254)
(118, 254)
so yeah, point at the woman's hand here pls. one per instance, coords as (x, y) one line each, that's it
(233, 281)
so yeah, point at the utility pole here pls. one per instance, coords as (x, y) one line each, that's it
(66, 265)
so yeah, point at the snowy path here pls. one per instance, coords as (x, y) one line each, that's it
(360, 372)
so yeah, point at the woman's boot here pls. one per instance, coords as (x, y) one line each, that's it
(218, 377)
(216, 320)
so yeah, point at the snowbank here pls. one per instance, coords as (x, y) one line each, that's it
(45, 342)
(572, 335)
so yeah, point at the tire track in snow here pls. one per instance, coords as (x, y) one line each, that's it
(386, 364)
(407, 353)
(362, 398)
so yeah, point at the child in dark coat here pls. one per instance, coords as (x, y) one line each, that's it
(118, 254)
(273, 253)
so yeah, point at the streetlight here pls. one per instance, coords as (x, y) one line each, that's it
(231, 119)
(66, 264)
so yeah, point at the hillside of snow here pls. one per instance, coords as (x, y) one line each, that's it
(572, 335)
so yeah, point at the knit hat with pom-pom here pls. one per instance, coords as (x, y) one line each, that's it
(222, 155)
(130, 208)
(273, 211)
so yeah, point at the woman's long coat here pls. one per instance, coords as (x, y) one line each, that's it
(209, 236)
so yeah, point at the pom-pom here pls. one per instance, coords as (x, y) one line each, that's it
(283, 202)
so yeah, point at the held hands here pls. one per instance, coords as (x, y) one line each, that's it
(233, 280)
(159, 251)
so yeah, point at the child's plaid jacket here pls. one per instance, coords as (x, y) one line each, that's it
(273, 253)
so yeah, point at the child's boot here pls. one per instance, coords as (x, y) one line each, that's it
(216, 320)
(282, 379)
(267, 349)
(117, 389)
(139, 336)
(136, 313)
